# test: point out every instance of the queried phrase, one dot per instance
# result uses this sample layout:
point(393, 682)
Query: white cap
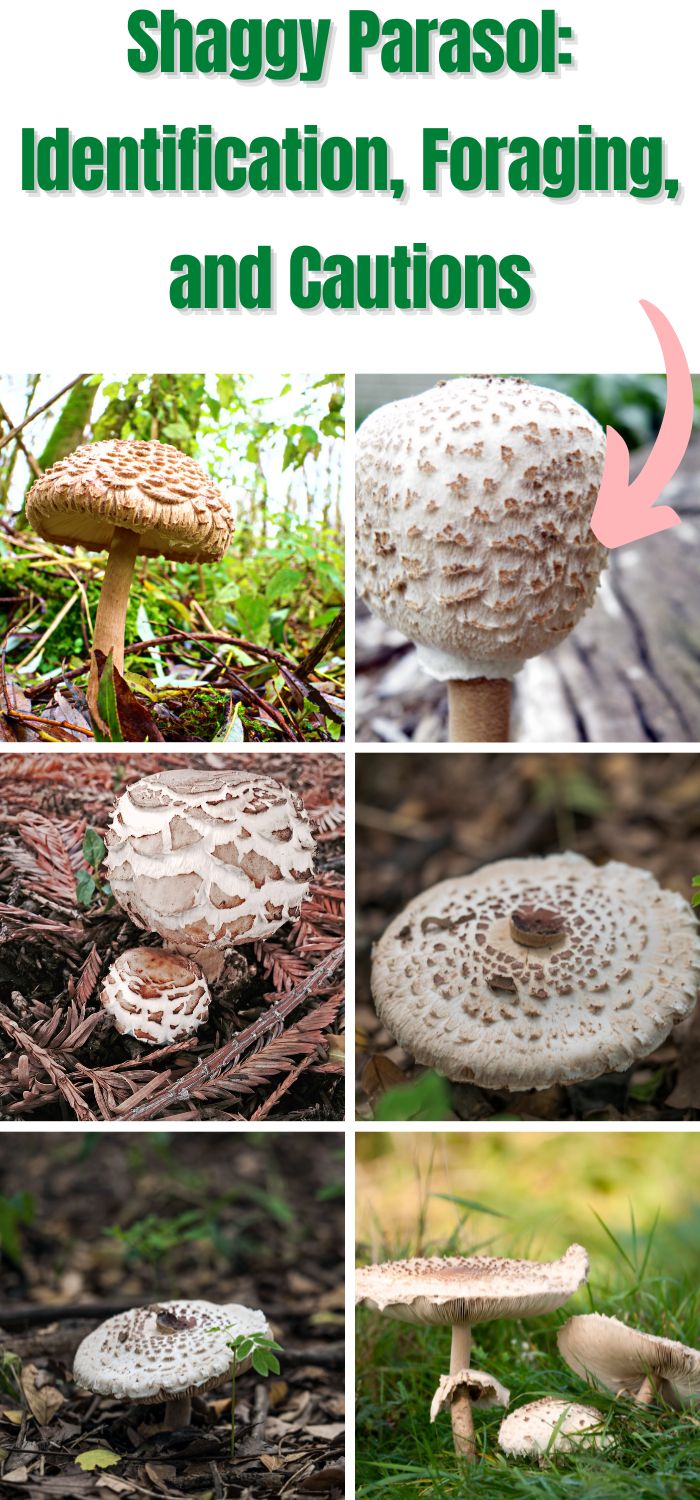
point(536, 971)
point(167, 1350)
point(470, 1290)
point(209, 858)
point(474, 502)
point(623, 1359)
point(155, 996)
point(531, 1429)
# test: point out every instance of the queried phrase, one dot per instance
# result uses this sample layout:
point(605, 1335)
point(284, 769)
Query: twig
point(38, 410)
point(224, 1058)
point(58, 1077)
point(317, 652)
point(36, 471)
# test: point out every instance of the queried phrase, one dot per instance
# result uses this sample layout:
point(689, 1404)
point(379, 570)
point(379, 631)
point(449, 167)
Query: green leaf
point(479, 1208)
point(85, 887)
point(282, 584)
point(97, 1458)
point(252, 612)
point(233, 731)
point(259, 1362)
point(94, 848)
point(427, 1099)
point(107, 704)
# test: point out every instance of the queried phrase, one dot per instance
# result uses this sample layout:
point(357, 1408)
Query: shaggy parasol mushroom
point(474, 502)
point(463, 1292)
point(209, 859)
point(128, 497)
point(155, 996)
point(537, 971)
point(551, 1426)
point(169, 1352)
point(629, 1362)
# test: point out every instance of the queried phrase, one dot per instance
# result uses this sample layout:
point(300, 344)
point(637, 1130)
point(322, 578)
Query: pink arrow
point(626, 512)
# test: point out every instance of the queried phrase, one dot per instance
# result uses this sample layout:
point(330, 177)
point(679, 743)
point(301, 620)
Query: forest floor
point(422, 818)
point(99, 1223)
point(273, 1045)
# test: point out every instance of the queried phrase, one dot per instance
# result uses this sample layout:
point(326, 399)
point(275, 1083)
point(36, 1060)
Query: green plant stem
point(233, 1407)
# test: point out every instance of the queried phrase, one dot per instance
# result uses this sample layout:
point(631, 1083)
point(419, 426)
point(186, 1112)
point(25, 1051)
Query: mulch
point(273, 1045)
point(271, 1236)
point(424, 817)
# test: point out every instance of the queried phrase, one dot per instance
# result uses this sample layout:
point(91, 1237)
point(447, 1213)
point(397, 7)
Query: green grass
point(656, 1453)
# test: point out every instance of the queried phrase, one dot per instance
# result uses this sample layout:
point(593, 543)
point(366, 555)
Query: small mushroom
point(155, 996)
point(166, 1352)
point(463, 1292)
point(551, 1426)
point(474, 502)
point(209, 859)
point(128, 498)
point(533, 972)
point(629, 1362)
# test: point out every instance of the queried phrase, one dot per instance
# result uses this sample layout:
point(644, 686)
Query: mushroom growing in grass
point(537, 971)
point(155, 996)
point(209, 859)
point(551, 1426)
point(128, 498)
point(462, 1293)
point(629, 1362)
point(474, 502)
point(168, 1352)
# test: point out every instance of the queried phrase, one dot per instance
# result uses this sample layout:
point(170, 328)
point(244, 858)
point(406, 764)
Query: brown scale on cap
point(619, 965)
point(209, 859)
point(154, 996)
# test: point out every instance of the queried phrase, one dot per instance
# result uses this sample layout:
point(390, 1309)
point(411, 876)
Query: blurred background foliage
point(438, 1194)
point(633, 404)
point(273, 445)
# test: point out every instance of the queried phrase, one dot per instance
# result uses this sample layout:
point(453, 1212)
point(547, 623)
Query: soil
point(93, 1224)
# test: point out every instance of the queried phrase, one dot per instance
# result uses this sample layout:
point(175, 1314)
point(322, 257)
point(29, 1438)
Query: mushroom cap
point(470, 1290)
point(166, 1350)
point(474, 502)
point(529, 1429)
point(155, 996)
point(482, 1389)
point(209, 858)
point(147, 487)
point(621, 1358)
point(463, 995)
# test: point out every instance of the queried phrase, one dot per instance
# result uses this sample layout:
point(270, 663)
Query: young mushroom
point(155, 996)
point(462, 1293)
point(168, 1352)
point(551, 1426)
point(629, 1362)
point(128, 498)
point(209, 859)
point(537, 971)
point(474, 503)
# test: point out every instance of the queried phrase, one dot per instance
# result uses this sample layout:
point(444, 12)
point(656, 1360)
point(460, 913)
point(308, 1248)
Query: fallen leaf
point(16, 1476)
point(327, 1430)
point(325, 1479)
point(97, 1458)
point(380, 1074)
point(271, 1462)
point(43, 1400)
point(16, 1417)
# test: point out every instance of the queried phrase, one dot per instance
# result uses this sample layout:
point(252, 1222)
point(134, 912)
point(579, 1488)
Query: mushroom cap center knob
point(537, 926)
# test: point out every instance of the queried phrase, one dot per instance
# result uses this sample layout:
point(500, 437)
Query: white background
point(85, 278)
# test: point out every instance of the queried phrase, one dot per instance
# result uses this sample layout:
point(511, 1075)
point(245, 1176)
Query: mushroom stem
point(646, 1393)
point(177, 1413)
point(461, 1407)
point(110, 619)
point(479, 710)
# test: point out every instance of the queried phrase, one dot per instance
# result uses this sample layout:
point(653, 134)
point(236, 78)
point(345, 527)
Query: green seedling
point(261, 1351)
point(88, 882)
